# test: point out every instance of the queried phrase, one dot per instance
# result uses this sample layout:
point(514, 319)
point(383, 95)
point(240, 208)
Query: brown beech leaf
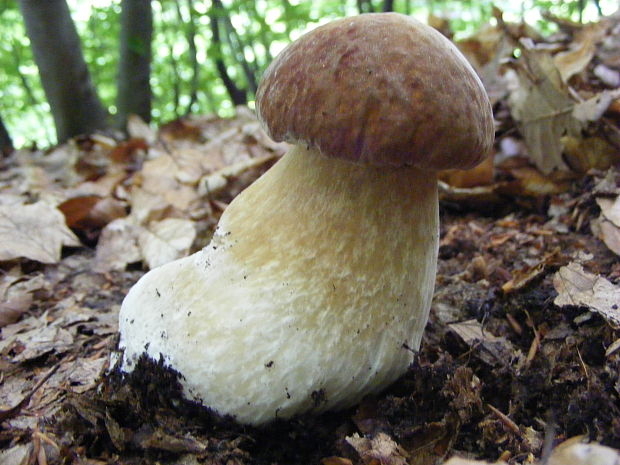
point(491, 349)
point(524, 276)
point(610, 209)
point(13, 308)
point(581, 51)
point(217, 181)
point(78, 208)
point(166, 240)
point(36, 231)
point(575, 286)
point(584, 154)
point(593, 108)
point(607, 226)
point(531, 182)
point(481, 175)
point(542, 108)
point(138, 129)
point(91, 211)
point(608, 232)
point(118, 245)
point(381, 449)
point(39, 341)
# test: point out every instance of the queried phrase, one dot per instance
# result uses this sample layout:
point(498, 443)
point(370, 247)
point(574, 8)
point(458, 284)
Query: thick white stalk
point(313, 292)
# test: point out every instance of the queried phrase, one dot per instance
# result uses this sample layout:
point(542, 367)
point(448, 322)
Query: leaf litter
point(520, 362)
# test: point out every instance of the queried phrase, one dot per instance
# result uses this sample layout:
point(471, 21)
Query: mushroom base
point(314, 291)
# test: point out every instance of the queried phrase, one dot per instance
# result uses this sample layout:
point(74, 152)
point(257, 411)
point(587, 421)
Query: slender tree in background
point(134, 89)
point(192, 50)
point(237, 95)
point(236, 46)
point(58, 54)
point(6, 144)
point(388, 5)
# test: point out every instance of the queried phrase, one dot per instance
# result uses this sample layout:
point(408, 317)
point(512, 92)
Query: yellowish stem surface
point(312, 293)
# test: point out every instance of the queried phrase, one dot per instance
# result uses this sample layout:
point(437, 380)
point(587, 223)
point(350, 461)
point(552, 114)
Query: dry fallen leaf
point(91, 211)
point(581, 51)
point(584, 154)
point(481, 175)
point(118, 245)
point(32, 344)
point(138, 129)
point(17, 455)
point(607, 226)
point(593, 108)
point(575, 286)
point(37, 231)
point(524, 276)
point(166, 240)
point(491, 349)
point(13, 308)
point(82, 374)
point(610, 209)
point(380, 450)
point(608, 232)
point(542, 108)
point(217, 181)
point(529, 181)
point(486, 50)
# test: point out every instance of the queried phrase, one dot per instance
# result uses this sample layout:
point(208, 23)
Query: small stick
point(505, 420)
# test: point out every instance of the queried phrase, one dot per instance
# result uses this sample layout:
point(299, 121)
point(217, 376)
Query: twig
point(511, 425)
point(535, 342)
point(584, 366)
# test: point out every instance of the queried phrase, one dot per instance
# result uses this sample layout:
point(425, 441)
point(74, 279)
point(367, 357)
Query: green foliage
point(22, 100)
point(184, 76)
point(99, 29)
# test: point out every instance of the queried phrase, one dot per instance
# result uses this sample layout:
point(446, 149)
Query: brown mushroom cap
point(382, 89)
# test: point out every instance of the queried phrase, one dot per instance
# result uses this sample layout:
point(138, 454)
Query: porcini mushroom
point(317, 284)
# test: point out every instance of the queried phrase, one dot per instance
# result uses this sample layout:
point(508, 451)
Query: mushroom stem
point(315, 288)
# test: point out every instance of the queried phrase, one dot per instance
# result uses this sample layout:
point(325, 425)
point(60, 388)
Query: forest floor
point(501, 367)
point(520, 359)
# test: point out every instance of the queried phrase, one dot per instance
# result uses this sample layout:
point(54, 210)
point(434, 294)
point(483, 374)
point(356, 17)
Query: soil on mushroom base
point(484, 398)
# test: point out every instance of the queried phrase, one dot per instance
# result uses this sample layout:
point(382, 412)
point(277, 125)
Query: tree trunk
point(237, 48)
point(6, 144)
point(192, 51)
point(238, 96)
point(169, 35)
point(134, 89)
point(58, 54)
point(388, 5)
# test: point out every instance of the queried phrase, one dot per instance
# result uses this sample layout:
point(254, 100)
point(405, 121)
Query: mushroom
point(316, 287)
